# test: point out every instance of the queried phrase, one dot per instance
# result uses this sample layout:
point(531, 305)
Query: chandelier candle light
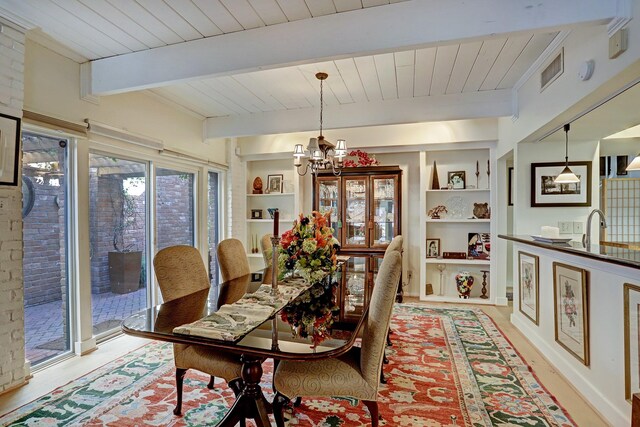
point(320, 153)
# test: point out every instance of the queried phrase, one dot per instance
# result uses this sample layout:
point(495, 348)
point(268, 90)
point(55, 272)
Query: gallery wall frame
point(571, 309)
point(545, 193)
point(9, 149)
point(631, 340)
point(529, 286)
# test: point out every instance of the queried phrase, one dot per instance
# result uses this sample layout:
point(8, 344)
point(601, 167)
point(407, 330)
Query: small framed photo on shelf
point(571, 310)
point(256, 213)
point(528, 285)
point(456, 180)
point(478, 246)
point(546, 193)
point(631, 340)
point(433, 248)
point(274, 183)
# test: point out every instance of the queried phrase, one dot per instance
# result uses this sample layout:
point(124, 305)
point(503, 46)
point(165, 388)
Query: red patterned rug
point(448, 366)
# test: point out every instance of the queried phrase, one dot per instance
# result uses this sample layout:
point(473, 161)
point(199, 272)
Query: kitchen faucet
point(586, 238)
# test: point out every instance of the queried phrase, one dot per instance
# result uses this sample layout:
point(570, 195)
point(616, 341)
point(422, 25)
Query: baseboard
point(502, 301)
point(24, 382)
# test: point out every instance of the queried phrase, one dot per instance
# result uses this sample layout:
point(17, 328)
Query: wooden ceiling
point(443, 72)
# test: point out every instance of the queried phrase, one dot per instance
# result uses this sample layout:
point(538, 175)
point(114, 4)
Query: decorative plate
point(457, 207)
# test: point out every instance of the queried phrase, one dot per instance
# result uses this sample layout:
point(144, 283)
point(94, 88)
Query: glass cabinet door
point(356, 231)
point(354, 294)
point(328, 197)
point(383, 210)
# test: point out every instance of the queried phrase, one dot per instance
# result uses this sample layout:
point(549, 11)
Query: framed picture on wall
point(571, 310)
point(433, 248)
point(546, 193)
point(631, 340)
point(528, 285)
point(9, 149)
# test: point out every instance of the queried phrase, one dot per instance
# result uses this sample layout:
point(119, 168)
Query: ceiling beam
point(413, 110)
point(405, 25)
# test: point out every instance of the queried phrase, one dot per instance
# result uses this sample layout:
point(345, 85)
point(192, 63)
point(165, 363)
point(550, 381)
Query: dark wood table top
point(273, 338)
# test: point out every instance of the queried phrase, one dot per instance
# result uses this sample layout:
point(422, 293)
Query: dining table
point(272, 338)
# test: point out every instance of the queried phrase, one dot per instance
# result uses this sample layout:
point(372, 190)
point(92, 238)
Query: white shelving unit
point(454, 227)
point(287, 203)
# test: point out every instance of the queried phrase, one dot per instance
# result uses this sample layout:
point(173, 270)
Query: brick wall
point(236, 193)
point(12, 362)
point(174, 210)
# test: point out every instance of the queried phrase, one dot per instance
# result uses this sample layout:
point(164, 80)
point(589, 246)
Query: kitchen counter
point(606, 252)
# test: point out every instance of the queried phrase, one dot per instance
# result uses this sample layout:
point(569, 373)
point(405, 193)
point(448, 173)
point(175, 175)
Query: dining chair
point(267, 249)
point(232, 259)
point(395, 245)
point(354, 374)
point(180, 271)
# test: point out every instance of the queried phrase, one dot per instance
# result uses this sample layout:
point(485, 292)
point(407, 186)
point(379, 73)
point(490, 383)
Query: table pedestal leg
point(250, 403)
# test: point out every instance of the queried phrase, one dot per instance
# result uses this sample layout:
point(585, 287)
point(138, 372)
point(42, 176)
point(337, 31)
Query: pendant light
point(635, 164)
point(566, 176)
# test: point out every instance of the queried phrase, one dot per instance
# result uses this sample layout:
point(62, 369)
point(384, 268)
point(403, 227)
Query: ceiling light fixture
point(635, 164)
point(320, 153)
point(566, 176)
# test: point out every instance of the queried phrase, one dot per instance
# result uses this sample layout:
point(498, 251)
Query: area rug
point(448, 366)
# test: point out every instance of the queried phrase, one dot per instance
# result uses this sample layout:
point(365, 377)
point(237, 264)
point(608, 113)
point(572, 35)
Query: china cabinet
point(365, 215)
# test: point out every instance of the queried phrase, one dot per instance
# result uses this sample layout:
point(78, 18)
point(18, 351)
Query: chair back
point(232, 259)
point(267, 249)
point(376, 325)
point(180, 271)
point(395, 245)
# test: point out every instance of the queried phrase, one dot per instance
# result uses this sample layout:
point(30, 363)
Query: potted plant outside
point(125, 261)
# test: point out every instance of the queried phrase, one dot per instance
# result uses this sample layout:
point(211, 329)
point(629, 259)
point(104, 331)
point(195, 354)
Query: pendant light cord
point(567, 127)
point(321, 106)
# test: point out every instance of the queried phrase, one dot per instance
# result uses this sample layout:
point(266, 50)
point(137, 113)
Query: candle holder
point(484, 284)
point(275, 242)
point(441, 268)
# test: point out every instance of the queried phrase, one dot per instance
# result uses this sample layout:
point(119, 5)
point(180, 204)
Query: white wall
point(12, 366)
point(52, 87)
point(602, 382)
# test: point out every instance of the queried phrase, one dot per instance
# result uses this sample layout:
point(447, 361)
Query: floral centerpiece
point(363, 159)
point(309, 248)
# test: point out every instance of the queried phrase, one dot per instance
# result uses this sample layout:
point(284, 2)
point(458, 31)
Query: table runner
point(233, 321)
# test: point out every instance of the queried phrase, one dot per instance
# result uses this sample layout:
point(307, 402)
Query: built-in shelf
point(270, 195)
point(465, 261)
point(455, 299)
point(270, 221)
point(459, 191)
point(457, 220)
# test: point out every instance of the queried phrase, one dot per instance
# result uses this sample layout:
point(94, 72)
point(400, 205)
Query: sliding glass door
point(174, 208)
point(44, 214)
point(118, 239)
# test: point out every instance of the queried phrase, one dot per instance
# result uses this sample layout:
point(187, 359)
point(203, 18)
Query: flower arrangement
point(311, 313)
point(434, 213)
point(309, 248)
point(363, 160)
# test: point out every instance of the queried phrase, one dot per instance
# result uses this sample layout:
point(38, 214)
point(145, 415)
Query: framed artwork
point(457, 180)
point(510, 194)
point(274, 183)
point(571, 310)
point(544, 192)
point(478, 246)
point(9, 149)
point(631, 340)
point(528, 285)
point(433, 248)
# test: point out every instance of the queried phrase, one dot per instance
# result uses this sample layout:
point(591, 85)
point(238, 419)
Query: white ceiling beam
point(404, 25)
point(423, 109)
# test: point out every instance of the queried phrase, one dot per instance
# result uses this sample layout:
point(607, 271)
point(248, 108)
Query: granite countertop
point(604, 252)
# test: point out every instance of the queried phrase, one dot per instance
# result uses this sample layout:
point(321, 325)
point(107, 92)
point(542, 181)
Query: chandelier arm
point(306, 168)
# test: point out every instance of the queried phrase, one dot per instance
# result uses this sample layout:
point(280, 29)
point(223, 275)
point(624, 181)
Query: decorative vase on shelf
point(464, 283)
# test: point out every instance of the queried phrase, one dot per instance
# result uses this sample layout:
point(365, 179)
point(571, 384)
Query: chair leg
point(212, 380)
point(276, 362)
point(372, 406)
point(279, 402)
point(297, 402)
point(179, 380)
point(389, 343)
point(385, 360)
point(383, 380)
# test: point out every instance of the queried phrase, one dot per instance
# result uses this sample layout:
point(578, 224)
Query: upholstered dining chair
point(355, 374)
point(181, 271)
point(232, 259)
point(267, 249)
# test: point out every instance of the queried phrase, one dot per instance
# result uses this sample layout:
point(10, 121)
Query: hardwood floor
point(45, 381)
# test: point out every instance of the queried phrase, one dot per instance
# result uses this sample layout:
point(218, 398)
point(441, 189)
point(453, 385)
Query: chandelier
point(320, 154)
